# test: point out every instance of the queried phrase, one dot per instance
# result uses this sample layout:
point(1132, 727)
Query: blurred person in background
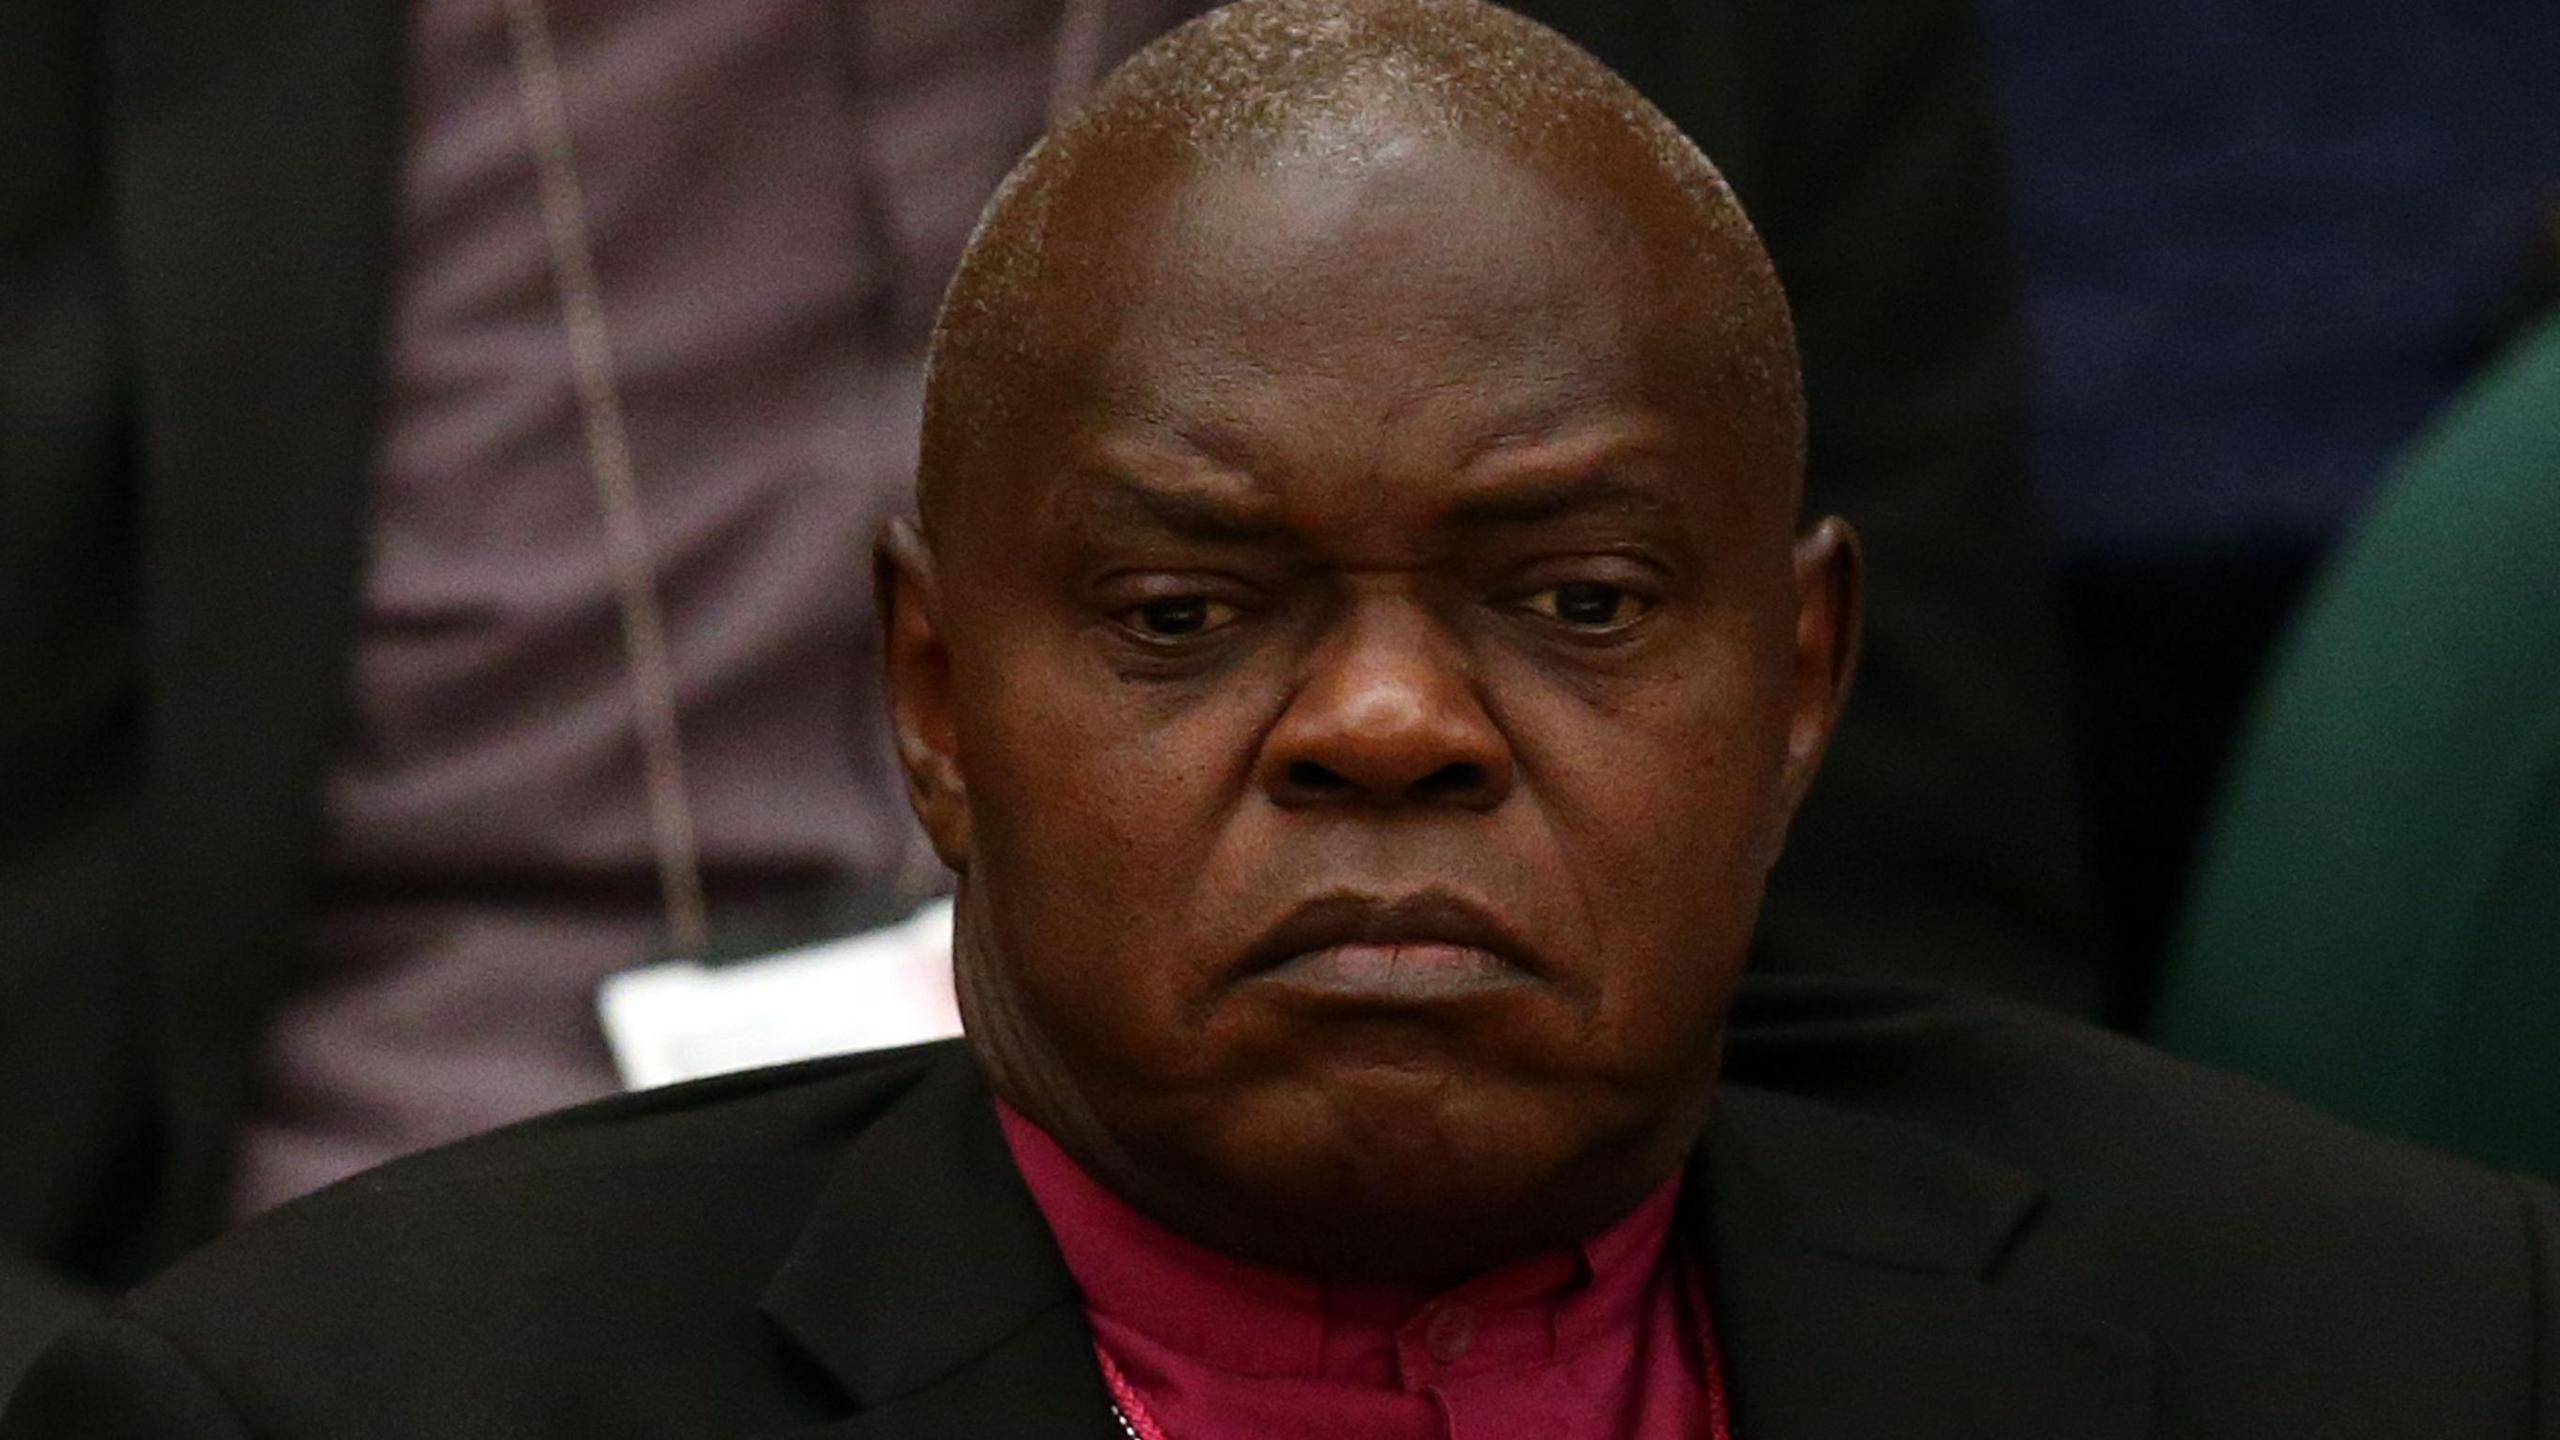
point(349, 346)
point(2262, 244)
point(2376, 917)
point(432, 439)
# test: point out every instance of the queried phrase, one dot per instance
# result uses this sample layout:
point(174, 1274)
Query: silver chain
point(648, 663)
point(644, 628)
point(1077, 56)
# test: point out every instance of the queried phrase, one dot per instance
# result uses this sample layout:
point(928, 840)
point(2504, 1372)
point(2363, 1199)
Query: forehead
point(1428, 260)
point(1376, 309)
point(1370, 309)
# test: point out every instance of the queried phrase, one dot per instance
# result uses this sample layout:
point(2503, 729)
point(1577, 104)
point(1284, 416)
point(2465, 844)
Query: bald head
point(1319, 89)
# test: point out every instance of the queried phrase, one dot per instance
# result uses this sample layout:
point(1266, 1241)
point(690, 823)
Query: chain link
point(650, 668)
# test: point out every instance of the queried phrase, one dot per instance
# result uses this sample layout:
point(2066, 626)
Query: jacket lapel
point(1847, 1260)
point(927, 1285)
point(254, 152)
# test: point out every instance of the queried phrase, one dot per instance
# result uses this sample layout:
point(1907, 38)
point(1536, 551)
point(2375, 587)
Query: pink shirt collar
point(1194, 1307)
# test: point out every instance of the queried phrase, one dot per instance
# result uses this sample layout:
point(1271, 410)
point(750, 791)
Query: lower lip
point(1413, 973)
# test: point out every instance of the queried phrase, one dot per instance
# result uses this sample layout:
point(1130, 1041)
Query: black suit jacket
point(197, 205)
point(1918, 1219)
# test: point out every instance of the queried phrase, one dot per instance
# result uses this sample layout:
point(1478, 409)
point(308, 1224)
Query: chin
point(1403, 1175)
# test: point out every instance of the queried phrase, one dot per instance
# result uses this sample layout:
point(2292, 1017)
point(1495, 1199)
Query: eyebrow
point(1547, 498)
point(1116, 501)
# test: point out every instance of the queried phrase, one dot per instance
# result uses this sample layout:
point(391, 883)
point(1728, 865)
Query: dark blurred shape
point(2377, 920)
point(2264, 242)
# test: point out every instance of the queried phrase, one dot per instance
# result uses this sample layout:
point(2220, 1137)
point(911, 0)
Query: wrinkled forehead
point(1447, 254)
point(1363, 225)
point(1390, 295)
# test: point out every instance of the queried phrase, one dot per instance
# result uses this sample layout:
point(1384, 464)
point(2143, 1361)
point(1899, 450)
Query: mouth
point(1413, 949)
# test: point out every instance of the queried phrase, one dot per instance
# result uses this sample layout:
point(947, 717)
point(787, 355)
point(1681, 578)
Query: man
point(1359, 655)
point(321, 809)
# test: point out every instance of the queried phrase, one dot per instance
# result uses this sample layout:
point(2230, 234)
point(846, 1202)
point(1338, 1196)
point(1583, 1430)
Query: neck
point(1341, 1258)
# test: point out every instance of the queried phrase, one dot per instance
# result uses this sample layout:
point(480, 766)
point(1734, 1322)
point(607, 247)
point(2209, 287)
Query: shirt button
point(1451, 1331)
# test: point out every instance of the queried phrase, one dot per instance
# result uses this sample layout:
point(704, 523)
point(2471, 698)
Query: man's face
point(1366, 714)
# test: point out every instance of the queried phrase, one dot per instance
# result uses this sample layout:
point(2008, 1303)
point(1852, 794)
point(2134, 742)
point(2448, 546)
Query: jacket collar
point(1849, 1260)
point(927, 1285)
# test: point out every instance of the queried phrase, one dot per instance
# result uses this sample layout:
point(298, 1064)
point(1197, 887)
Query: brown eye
point(1178, 616)
point(1588, 605)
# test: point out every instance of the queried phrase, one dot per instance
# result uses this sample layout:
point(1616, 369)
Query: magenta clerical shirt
point(1607, 1341)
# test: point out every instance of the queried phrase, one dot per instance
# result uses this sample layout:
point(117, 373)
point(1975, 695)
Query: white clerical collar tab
point(683, 1020)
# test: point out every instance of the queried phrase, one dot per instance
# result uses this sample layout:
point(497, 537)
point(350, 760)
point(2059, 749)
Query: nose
point(1387, 715)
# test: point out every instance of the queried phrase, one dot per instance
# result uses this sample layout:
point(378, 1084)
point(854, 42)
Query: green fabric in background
point(2376, 925)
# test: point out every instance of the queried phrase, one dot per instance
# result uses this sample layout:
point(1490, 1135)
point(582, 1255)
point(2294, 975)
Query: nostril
point(1457, 778)
point(1464, 783)
point(1308, 777)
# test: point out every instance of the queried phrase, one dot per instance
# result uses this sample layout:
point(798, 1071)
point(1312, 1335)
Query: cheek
point(1094, 805)
point(1071, 768)
point(1656, 797)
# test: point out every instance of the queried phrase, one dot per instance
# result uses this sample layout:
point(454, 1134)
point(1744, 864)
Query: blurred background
point(439, 441)
point(2261, 247)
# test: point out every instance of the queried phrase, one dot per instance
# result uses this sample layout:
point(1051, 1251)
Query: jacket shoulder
point(573, 1257)
point(779, 1114)
point(2083, 1109)
point(2273, 1255)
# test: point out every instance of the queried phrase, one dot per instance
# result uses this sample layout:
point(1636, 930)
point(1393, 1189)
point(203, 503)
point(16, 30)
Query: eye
point(1177, 617)
point(1588, 605)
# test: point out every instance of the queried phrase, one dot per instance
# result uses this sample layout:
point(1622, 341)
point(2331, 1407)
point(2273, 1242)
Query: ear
point(1828, 569)
point(916, 663)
